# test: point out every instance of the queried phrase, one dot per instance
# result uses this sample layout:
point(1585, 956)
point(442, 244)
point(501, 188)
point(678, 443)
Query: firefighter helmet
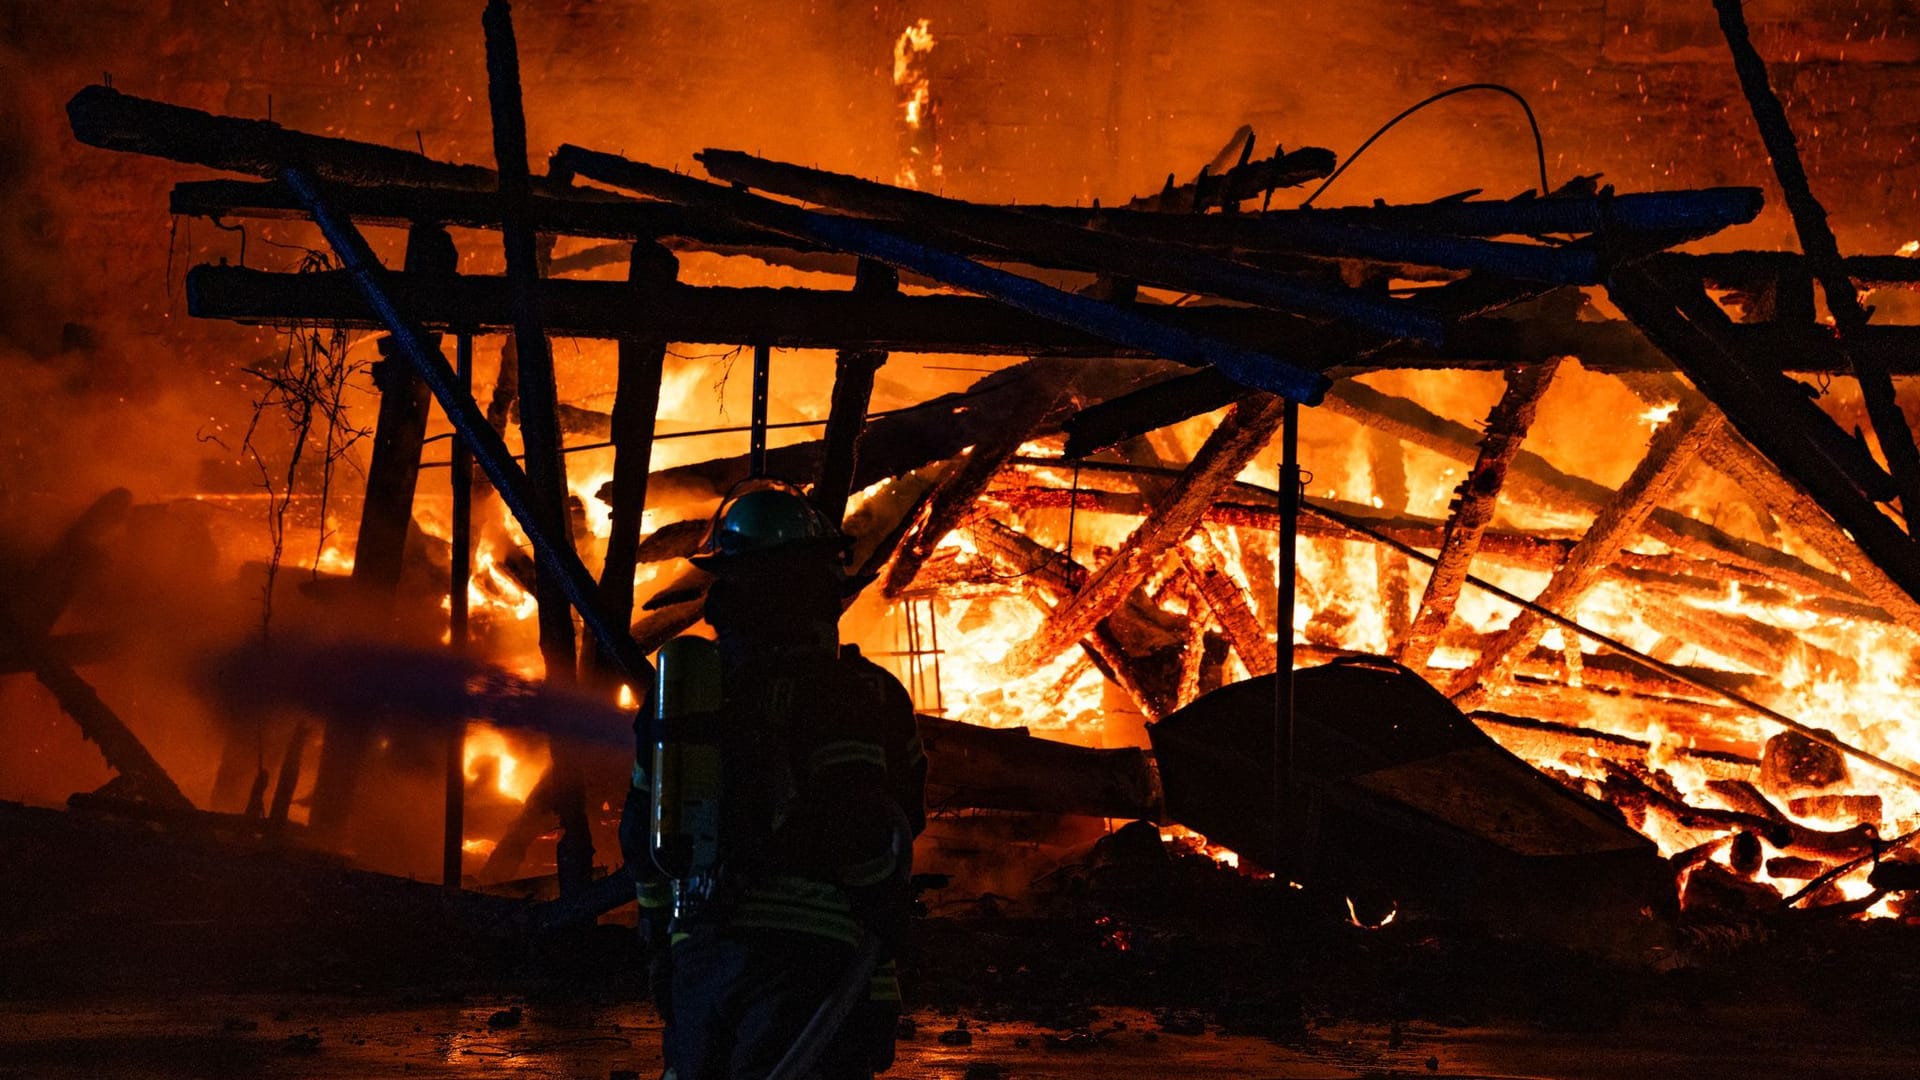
point(773, 517)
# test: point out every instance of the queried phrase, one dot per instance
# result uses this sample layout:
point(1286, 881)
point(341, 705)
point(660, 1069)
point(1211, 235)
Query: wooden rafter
point(1473, 506)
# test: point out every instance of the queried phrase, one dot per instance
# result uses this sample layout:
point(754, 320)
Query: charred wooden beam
point(812, 319)
point(539, 426)
point(1708, 209)
point(28, 613)
point(853, 376)
point(1107, 321)
point(1674, 447)
point(1225, 453)
point(584, 212)
point(1386, 459)
point(462, 195)
point(385, 516)
point(1538, 740)
point(1206, 568)
point(1747, 270)
point(104, 117)
point(1038, 240)
point(1823, 256)
point(1240, 181)
point(1473, 506)
point(398, 435)
point(636, 404)
point(1049, 579)
point(1193, 650)
point(940, 428)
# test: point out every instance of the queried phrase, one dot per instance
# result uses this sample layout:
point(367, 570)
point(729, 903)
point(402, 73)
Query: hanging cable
point(1539, 144)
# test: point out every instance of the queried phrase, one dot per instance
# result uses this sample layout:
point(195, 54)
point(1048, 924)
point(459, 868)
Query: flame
point(627, 698)
point(1186, 839)
point(492, 589)
point(910, 53)
point(517, 772)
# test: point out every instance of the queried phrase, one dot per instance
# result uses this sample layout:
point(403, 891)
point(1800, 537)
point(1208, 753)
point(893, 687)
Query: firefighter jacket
point(824, 779)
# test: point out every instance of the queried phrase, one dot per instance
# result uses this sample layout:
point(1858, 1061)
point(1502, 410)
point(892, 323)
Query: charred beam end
point(1109, 322)
point(104, 117)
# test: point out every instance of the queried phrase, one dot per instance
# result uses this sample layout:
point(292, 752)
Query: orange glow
point(517, 772)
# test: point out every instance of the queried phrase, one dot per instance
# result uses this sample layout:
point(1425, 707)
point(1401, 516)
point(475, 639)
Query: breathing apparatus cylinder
point(686, 765)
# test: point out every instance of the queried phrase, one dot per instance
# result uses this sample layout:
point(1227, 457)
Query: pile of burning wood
point(1735, 693)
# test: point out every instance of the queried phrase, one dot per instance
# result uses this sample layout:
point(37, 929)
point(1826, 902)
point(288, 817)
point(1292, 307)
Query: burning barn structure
point(1582, 517)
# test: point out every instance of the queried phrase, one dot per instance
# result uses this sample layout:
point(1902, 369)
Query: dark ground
point(132, 954)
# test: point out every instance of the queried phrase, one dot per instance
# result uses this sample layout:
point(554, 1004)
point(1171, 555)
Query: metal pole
point(757, 449)
point(462, 482)
point(1283, 767)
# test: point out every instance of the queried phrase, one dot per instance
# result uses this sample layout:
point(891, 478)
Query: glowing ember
point(1393, 911)
point(1185, 839)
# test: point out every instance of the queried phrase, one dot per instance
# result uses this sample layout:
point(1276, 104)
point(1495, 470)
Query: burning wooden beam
point(1234, 443)
point(960, 492)
point(1386, 460)
point(1546, 485)
point(398, 436)
point(1736, 459)
point(1206, 568)
point(1674, 447)
point(1049, 580)
point(1473, 506)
